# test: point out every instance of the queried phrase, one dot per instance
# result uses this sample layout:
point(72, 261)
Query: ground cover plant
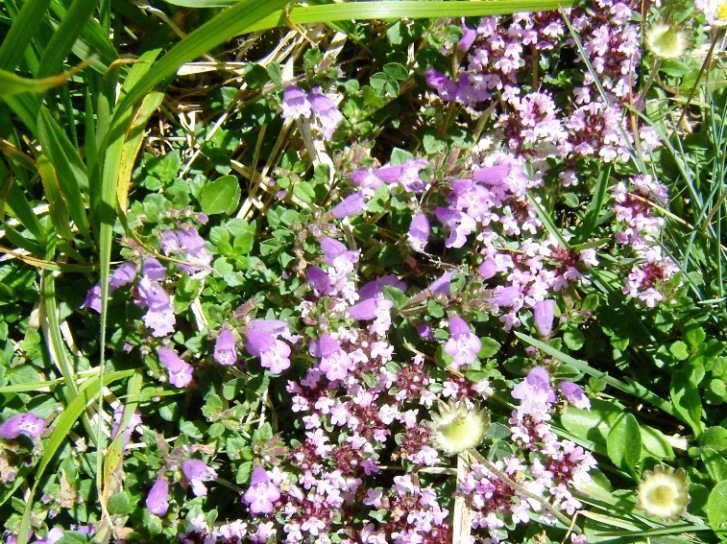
point(363, 272)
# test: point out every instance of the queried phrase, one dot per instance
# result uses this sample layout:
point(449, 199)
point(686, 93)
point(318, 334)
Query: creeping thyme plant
point(456, 276)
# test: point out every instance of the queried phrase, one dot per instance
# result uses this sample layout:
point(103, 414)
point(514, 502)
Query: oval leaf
point(220, 196)
point(624, 442)
point(717, 508)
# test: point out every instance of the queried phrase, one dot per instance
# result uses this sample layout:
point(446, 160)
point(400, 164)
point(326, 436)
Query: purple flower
point(160, 315)
point(295, 103)
point(446, 88)
point(418, 234)
point(93, 298)
point(116, 427)
point(180, 372)
point(153, 269)
point(442, 285)
point(196, 252)
point(334, 361)
point(574, 394)
point(262, 493)
point(123, 275)
point(352, 205)
point(225, 353)
point(535, 389)
point(406, 175)
point(170, 242)
point(462, 345)
point(488, 268)
point(157, 501)
point(543, 313)
point(505, 296)
point(196, 472)
point(326, 112)
point(460, 226)
point(377, 286)
point(27, 424)
point(467, 39)
point(261, 341)
point(320, 281)
point(492, 175)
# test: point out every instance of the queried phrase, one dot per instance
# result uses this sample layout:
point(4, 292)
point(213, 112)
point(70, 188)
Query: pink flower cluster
point(502, 55)
point(640, 231)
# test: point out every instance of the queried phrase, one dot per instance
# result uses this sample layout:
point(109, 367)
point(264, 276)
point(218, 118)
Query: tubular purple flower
point(334, 361)
point(180, 372)
point(225, 352)
point(196, 472)
point(352, 205)
point(488, 268)
point(418, 234)
point(170, 242)
point(190, 240)
point(543, 314)
point(261, 341)
point(157, 501)
point(262, 493)
point(460, 226)
point(123, 275)
point(116, 426)
point(377, 286)
point(574, 394)
point(446, 88)
point(326, 112)
point(27, 424)
point(505, 296)
point(320, 281)
point(364, 310)
point(467, 39)
point(93, 298)
point(492, 175)
point(442, 285)
point(462, 345)
point(295, 103)
point(153, 269)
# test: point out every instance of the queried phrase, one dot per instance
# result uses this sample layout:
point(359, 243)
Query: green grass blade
point(65, 36)
point(386, 9)
point(11, 84)
point(72, 174)
point(20, 208)
point(57, 207)
point(593, 212)
point(21, 32)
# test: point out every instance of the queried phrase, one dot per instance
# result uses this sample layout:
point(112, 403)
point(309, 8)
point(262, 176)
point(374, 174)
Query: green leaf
point(396, 71)
point(679, 350)
point(624, 442)
point(714, 437)
point(490, 347)
point(717, 508)
point(118, 504)
point(574, 339)
point(715, 463)
point(686, 398)
point(220, 196)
